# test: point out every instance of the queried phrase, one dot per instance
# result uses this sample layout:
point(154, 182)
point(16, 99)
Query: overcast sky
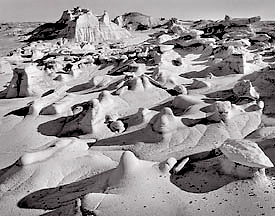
point(51, 10)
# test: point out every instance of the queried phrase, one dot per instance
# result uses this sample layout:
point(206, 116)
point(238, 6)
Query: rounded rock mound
point(245, 152)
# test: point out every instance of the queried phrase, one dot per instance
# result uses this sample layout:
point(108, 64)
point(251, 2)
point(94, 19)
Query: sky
point(51, 10)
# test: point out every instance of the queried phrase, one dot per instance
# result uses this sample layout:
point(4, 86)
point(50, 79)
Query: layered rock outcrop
point(138, 21)
point(236, 27)
point(80, 25)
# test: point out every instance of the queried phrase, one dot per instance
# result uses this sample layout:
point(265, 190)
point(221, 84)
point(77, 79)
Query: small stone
point(180, 89)
point(117, 126)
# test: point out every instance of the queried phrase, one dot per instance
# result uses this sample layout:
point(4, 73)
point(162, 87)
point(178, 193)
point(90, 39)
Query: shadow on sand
point(52, 198)
point(201, 176)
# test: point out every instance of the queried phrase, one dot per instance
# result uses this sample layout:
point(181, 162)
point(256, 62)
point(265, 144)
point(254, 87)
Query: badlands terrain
point(137, 116)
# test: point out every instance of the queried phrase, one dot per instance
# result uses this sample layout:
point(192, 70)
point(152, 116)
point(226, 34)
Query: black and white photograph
point(137, 108)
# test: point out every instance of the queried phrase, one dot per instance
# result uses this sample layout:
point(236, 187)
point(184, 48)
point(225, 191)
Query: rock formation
point(138, 21)
point(236, 27)
point(236, 63)
point(246, 152)
point(244, 88)
point(174, 120)
point(26, 82)
point(80, 25)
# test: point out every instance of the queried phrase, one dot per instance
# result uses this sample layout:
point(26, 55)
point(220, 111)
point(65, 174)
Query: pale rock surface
point(164, 38)
point(68, 160)
point(5, 67)
point(245, 152)
point(189, 133)
point(140, 174)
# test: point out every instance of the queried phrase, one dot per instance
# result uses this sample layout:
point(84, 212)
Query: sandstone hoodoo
point(26, 82)
point(81, 25)
point(247, 153)
point(247, 157)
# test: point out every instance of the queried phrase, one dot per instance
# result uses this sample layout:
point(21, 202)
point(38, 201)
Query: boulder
point(245, 152)
point(164, 38)
point(265, 83)
point(244, 88)
point(236, 62)
point(25, 82)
